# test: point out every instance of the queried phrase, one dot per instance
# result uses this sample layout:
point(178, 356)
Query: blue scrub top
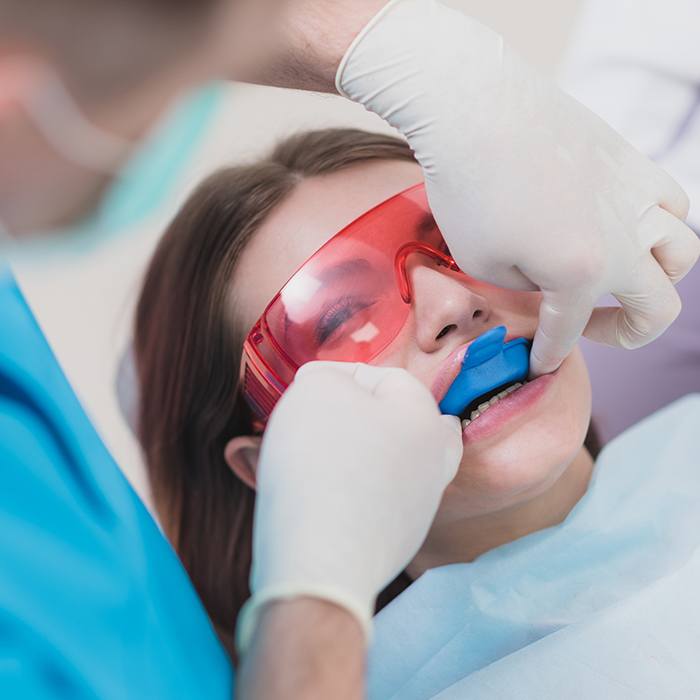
point(93, 601)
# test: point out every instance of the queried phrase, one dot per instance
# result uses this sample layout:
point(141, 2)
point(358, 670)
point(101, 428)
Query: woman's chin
point(514, 471)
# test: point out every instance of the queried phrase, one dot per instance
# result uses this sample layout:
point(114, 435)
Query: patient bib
point(612, 588)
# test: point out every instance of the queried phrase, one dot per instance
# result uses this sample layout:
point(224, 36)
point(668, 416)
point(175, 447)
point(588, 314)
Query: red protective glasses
point(346, 303)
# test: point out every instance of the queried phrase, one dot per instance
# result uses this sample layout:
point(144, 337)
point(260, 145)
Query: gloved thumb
point(452, 436)
point(563, 316)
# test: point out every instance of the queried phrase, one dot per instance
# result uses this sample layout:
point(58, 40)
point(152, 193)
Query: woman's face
point(511, 453)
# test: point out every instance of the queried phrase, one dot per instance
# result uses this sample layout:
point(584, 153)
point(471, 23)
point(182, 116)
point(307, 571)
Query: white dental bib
point(604, 605)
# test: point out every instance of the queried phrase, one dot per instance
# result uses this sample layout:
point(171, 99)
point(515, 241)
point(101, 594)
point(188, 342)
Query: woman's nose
point(445, 308)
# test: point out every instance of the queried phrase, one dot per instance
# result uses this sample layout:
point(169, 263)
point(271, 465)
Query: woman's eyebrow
point(344, 269)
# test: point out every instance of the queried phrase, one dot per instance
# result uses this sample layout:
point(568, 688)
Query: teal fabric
point(93, 601)
point(144, 183)
point(566, 601)
point(149, 176)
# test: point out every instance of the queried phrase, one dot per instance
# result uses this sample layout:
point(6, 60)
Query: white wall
point(84, 303)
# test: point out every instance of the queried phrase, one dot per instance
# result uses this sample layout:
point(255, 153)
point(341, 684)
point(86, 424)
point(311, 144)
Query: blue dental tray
point(488, 364)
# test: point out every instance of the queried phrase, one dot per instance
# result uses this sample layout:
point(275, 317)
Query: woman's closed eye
point(336, 315)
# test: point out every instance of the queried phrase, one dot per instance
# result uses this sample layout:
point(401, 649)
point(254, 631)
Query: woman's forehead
point(314, 212)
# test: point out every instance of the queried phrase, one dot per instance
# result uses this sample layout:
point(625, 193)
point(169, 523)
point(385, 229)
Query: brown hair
point(188, 354)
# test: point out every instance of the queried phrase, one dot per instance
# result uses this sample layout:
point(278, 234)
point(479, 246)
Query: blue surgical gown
point(93, 601)
point(604, 605)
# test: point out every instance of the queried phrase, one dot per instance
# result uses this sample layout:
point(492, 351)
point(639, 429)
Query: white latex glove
point(352, 469)
point(530, 189)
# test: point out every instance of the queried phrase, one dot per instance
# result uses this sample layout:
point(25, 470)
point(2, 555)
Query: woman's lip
point(450, 367)
point(508, 409)
point(448, 371)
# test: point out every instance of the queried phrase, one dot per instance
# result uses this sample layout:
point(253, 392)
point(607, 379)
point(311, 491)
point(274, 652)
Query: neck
point(465, 540)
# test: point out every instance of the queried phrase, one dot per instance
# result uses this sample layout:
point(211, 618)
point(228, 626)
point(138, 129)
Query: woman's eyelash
point(338, 313)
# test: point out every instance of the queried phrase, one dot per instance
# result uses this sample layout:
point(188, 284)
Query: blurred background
point(90, 332)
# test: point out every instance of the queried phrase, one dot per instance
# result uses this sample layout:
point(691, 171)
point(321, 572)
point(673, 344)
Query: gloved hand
point(352, 469)
point(530, 189)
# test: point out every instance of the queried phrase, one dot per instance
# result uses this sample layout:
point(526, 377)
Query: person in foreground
point(524, 464)
point(79, 88)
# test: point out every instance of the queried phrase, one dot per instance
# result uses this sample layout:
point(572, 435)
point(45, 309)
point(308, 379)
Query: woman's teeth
point(483, 407)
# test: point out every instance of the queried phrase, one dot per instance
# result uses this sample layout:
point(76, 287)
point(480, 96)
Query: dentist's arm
point(297, 43)
point(531, 189)
point(352, 469)
point(306, 648)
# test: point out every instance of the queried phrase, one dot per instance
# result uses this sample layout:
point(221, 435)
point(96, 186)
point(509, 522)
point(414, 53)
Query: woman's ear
point(241, 454)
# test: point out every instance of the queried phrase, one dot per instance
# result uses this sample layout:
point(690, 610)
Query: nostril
point(445, 331)
point(477, 314)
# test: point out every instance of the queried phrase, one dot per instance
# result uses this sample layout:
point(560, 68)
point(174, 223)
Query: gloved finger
point(670, 195)
point(381, 381)
point(394, 383)
point(506, 276)
point(563, 316)
point(649, 306)
point(512, 277)
point(398, 385)
point(673, 243)
point(369, 377)
point(454, 447)
point(325, 366)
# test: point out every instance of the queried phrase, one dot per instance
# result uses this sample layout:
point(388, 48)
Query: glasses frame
point(266, 367)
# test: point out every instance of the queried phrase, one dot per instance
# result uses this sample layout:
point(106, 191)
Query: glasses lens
point(344, 304)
